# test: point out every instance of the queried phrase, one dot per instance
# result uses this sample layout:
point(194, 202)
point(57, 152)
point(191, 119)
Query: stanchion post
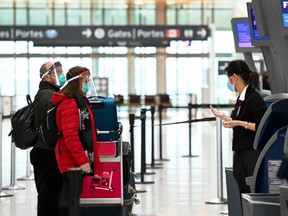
point(152, 136)
point(219, 199)
point(190, 128)
point(143, 143)
point(131, 122)
point(153, 164)
point(13, 185)
point(160, 109)
point(143, 147)
point(2, 194)
point(190, 131)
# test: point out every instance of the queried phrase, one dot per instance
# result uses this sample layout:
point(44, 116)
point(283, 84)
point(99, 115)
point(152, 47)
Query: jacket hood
point(57, 98)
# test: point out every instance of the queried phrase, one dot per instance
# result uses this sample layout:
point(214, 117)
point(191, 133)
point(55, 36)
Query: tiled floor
point(181, 187)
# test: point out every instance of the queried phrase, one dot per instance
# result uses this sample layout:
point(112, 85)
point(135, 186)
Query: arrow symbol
point(202, 32)
point(87, 32)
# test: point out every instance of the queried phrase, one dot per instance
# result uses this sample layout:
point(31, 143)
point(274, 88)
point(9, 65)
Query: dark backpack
point(48, 128)
point(23, 133)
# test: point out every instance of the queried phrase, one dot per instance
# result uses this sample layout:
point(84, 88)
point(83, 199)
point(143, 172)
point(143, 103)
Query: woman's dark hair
point(73, 88)
point(241, 69)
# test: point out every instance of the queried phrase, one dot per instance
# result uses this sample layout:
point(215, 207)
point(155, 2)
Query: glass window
point(7, 83)
point(21, 47)
point(224, 42)
point(21, 16)
point(189, 16)
point(78, 16)
point(223, 19)
point(148, 17)
point(97, 17)
point(115, 17)
point(115, 69)
point(6, 16)
point(60, 16)
point(40, 16)
point(184, 76)
point(145, 75)
point(7, 47)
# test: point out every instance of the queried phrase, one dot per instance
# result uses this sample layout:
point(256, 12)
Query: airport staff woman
point(244, 120)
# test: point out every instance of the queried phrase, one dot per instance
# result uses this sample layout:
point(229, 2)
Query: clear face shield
point(56, 73)
point(88, 87)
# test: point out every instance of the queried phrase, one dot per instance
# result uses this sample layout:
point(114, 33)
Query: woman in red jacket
point(76, 149)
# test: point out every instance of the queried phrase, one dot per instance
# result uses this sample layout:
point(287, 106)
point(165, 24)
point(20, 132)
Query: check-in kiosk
point(269, 139)
point(269, 16)
point(267, 49)
point(275, 97)
point(283, 174)
point(242, 40)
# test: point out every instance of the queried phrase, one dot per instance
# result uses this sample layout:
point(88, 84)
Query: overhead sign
point(104, 35)
point(221, 67)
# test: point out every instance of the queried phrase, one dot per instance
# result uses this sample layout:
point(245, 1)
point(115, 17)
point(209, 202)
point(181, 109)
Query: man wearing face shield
point(47, 176)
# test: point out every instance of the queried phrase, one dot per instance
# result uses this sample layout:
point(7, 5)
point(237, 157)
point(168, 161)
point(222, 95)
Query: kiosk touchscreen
point(242, 39)
point(260, 19)
point(256, 39)
point(242, 35)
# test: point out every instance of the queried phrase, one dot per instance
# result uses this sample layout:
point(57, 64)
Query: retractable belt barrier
point(143, 126)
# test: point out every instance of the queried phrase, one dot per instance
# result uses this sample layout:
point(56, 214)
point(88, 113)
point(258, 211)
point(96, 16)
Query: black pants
point(70, 193)
point(243, 166)
point(48, 180)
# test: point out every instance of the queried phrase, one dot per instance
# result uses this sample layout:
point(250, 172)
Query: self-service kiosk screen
point(256, 39)
point(242, 36)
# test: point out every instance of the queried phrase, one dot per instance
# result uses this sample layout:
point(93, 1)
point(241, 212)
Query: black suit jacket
point(251, 110)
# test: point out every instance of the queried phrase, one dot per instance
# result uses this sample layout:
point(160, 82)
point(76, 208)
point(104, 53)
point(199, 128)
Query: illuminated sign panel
point(104, 35)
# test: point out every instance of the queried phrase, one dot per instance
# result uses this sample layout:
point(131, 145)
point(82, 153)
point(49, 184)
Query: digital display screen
point(284, 6)
point(243, 35)
point(254, 27)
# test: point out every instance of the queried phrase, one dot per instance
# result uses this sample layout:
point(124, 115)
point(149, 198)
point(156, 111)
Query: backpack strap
point(85, 128)
point(28, 99)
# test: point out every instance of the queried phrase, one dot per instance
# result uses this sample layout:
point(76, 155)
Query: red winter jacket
point(69, 150)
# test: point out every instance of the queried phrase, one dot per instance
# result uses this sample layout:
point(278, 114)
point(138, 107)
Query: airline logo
point(285, 4)
point(172, 33)
point(285, 13)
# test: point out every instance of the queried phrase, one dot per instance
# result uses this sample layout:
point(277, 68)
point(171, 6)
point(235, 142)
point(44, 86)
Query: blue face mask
point(61, 79)
point(85, 88)
point(230, 86)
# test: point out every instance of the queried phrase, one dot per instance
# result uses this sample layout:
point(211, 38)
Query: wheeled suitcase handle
point(95, 103)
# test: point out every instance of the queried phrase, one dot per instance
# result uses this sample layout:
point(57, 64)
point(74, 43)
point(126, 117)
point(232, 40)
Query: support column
point(161, 53)
point(161, 70)
point(131, 72)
